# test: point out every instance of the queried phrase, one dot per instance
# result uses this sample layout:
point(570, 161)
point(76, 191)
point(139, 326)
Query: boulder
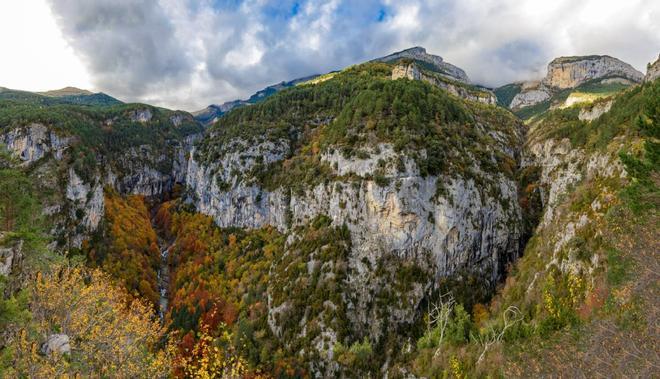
point(56, 343)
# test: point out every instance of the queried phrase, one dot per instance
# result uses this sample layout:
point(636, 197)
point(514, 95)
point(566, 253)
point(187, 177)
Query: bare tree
point(439, 316)
point(511, 316)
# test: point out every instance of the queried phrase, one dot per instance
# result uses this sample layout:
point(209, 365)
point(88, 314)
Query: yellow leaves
point(110, 331)
point(208, 360)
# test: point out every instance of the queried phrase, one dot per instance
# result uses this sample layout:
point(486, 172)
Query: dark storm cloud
point(193, 52)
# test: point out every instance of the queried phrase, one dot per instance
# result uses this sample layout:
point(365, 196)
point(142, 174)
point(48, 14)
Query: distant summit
point(66, 95)
point(428, 61)
point(67, 91)
point(570, 72)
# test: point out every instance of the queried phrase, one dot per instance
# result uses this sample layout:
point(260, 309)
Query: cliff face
point(403, 222)
point(653, 71)
point(570, 72)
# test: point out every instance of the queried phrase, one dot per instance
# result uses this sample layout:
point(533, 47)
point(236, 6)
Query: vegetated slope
point(582, 301)
point(317, 231)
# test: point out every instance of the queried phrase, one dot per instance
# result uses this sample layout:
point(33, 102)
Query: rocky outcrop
point(139, 170)
point(531, 93)
point(11, 255)
point(56, 344)
point(570, 72)
point(653, 71)
point(411, 71)
point(592, 112)
point(33, 142)
point(439, 65)
point(141, 115)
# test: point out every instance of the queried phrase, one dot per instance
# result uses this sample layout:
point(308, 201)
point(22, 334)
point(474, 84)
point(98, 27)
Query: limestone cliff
point(570, 72)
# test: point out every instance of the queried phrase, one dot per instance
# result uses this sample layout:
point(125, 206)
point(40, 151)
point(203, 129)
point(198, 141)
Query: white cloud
point(189, 53)
point(35, 56)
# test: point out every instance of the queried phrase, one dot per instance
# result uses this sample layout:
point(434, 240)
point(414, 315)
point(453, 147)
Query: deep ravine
point(163, 277)
point(163, 274)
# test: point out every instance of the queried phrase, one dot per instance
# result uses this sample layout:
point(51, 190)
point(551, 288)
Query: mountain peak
point(66, 91)
point(429, 61)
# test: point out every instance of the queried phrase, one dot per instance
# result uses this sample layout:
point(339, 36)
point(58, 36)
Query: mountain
point(451, 77)
point(569, 80)
point(66, 91)
point(67, 95)
point(210, 114)
point(429, 62)
point(382, 220)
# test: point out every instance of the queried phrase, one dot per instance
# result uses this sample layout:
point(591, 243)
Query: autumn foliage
point(111, 333)
point(128, 250)
point(218, 285)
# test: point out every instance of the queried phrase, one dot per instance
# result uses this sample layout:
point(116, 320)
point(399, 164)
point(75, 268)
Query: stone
point(56, 343)
point(141, 115)
point(526, 98)
point(595, 110)
point(10, 256)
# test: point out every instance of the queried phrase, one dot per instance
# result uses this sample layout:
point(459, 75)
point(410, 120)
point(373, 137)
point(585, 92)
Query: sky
point(187, 54)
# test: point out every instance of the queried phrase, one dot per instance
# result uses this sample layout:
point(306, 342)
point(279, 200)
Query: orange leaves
point(232, 240)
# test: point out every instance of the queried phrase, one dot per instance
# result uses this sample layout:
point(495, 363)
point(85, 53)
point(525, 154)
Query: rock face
point(411, 71)
point(570, 72)
point(33, 142)
point(420, 54)
point(141, 115)
point(139, 170)
point(594, 111)
point(653, 71)
point(531, 93)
